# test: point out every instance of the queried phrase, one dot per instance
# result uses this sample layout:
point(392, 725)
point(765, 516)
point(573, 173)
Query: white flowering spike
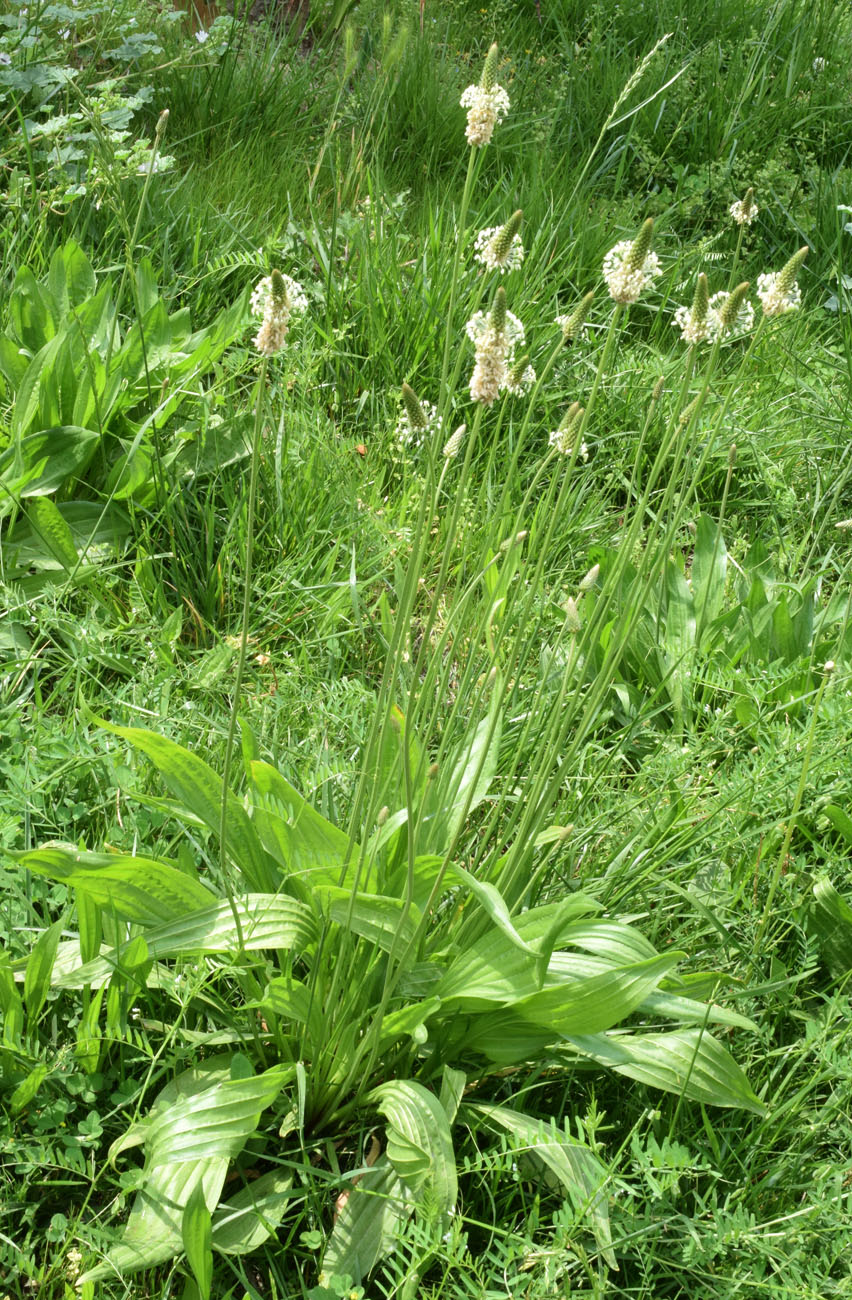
point(495, 337)
point(486, 104)
point(453, 445)
point(562, 439)
point(275, 299)
point(591, 578)
point(692, 321)
point(729, 313)
point(418, 420)
point(520, 378)
point(573, 324)
point(572, 616)
point(778, 291)
point(744, 211)
point(499, 248)
point(631, 266)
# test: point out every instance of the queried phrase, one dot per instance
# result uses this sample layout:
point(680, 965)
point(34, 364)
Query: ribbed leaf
point(43, 462)
point(292, 1000)
point(420, 1146)
point(578, 1169)
point(294, 833)
point(190, 1141)
point(688, 1061)
point(709, 570)
point(267, 921)
point(197, 1240)
point(384, 921)
point(195, 783)
point(135, 889)
point(70, 279)
point(453, 796)
point(497, 969)
point(39, 969)
point(246, 1221)
point(590, 1004)
point(53, 532)
point(367, 1226)
point(830, 921)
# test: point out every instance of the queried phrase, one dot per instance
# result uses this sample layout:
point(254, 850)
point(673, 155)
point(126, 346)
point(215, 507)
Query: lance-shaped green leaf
point(195, 784)
point(688, 1061)
point(143, 890)
point(453, 797)
point(292, 1000)
point(190, 1140)
point(420, 1146)
point(197, 1239)
point(294, 833)
point(368, 1224)
point(39, 969)
point(248, 1219)
point(50, 526)
point(578, 1169)
point(384, 921)
point(43, 462)
point(592, 1003)
point(502, 968)
point(70, 279)
point(266, 921)
point(709, 570)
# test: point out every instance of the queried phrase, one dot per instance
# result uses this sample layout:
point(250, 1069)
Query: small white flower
point(276, 309)
point(743, 211)
point(743, 323)
point(818, 66)
point(452, 447)
point(570, 330)
point(410, 436)
point(489, 375)
point(691, 330)
point(624, 282)
point(262, 295)
point(494, 352)
point(522, 383)
point(73, 1263)
point(479, 326)
point(201, 36)
point(486, 250)
point(485, 109)
point(774, 300)
point(559, 440)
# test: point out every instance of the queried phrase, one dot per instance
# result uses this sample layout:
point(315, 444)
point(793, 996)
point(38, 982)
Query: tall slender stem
point(244, 626)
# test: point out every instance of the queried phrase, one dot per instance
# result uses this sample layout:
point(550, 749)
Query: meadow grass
point(538, 719)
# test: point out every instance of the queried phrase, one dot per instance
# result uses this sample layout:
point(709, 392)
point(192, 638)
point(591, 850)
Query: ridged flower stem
point(732, 280)
point(509, 472)
point(238, 681)
point(241, 658)
point(443, 391)
point(603, 366)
